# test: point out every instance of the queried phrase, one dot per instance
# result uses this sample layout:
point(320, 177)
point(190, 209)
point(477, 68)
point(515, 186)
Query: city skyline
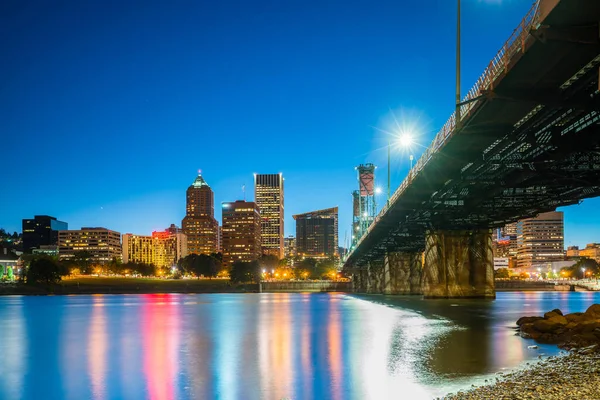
point(208, 103)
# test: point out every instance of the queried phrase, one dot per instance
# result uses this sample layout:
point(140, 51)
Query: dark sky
point(108, 108)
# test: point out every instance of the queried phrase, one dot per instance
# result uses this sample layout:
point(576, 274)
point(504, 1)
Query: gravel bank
point(572, 376)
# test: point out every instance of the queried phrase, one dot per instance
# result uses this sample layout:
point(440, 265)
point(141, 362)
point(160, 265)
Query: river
point(262, 346)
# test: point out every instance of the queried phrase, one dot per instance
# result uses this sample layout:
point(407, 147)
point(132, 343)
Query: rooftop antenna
point(244, 191)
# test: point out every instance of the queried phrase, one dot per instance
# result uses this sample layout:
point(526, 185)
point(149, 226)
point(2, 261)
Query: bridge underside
point(529, 143)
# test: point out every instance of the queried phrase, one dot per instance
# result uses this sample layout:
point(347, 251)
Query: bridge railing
point(498, 66)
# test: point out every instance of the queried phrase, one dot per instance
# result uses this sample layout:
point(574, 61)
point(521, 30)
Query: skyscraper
point(268, 195)
point(199, 224)
point(540, 239)
point(42, 230)
point(241, 232)
point(317, 233)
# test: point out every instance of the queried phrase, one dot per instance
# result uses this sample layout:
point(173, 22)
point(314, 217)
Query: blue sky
point(108, 108)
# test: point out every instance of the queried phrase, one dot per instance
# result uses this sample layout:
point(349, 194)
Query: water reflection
point(97, 348)
point(255, 346)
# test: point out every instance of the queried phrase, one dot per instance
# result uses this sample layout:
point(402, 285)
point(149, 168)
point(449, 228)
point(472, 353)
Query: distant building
point(199, 224)
point(317, 233)
point(8, 259)
point(169, 248)
point(220, 239)
point(540, 239)
point(572, 251)
point(102, 244)
point(289, 244)
point(268, 195)
point(501, 262)
point(47, 250)
point(241, 232)
point(592, 250)
point(137, 249)
point(41, 230)
point(163, 248)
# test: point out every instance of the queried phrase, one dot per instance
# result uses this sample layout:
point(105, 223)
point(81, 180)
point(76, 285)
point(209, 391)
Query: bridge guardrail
point(497, 66)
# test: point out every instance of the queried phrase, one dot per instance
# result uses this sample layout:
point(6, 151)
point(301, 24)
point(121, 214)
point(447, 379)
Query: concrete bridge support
point(405, 271)
point(459, 264)
point(397, 273)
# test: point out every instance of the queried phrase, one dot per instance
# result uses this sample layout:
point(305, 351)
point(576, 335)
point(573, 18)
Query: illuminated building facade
point(199, 223)
point(268, 195)
point(289, 247)
point(41, 230)
point(169, 248)
point(592, 251)
point(241, 232)
point(137, 249)
point(317, 233)
point(163, 249)
point(102, 244)
point(540, 239)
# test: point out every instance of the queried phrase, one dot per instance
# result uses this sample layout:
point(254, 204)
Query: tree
point(590, 266)
point(325, 269)
point(243, 272)
point(144, 269)
point(268, 262)
point(501, 273)
point(83, 259)
point(115, 266)
point(44, 270)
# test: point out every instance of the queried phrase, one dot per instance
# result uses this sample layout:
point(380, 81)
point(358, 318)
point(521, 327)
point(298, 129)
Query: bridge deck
point(528, 141)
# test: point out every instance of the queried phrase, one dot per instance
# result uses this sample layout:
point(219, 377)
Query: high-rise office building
point(317, 233)
point(290, 246)
point(102, 244)
point(199, 224)
point(268, 195)
point(41, 230)
point(540, 239)
point(137, 249)
point(241, 232)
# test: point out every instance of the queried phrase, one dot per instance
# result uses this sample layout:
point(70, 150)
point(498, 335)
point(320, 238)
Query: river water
point(262, 346)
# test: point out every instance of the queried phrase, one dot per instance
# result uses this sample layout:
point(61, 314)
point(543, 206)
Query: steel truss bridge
point(528, 140)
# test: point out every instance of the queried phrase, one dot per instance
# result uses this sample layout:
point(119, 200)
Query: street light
point(457, 114)
point(583, 270)
point(405, 140)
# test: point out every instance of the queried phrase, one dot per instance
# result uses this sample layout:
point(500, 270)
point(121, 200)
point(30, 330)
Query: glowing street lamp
point(405, 141)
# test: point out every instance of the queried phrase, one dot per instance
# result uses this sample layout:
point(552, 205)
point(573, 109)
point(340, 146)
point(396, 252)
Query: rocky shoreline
point(574, 375)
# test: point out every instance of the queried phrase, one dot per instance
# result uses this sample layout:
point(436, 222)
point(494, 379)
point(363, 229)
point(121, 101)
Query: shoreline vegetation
point(122, 285)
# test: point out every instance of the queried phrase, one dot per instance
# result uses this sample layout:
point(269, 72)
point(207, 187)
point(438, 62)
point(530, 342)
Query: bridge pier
point(459, 264)
point(405, 271)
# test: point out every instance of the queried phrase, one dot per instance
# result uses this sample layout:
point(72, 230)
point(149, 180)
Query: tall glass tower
point(268, 195)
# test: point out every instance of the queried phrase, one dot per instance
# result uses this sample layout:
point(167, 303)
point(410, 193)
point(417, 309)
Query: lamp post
point(405, 140)
point(457, 114)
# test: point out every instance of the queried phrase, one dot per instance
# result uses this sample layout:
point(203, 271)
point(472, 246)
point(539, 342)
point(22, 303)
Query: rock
point(528, 320)
point(586, 326)
point(547, 326)
point(574, 317)
point(551, 314)
point(571, 325)
point(593, 311)
point(559, 319)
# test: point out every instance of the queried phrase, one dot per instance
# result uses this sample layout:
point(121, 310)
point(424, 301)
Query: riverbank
point(575, 375)
point(121, 285)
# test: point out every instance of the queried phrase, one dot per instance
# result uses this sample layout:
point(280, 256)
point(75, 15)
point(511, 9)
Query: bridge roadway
point(527, 142)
